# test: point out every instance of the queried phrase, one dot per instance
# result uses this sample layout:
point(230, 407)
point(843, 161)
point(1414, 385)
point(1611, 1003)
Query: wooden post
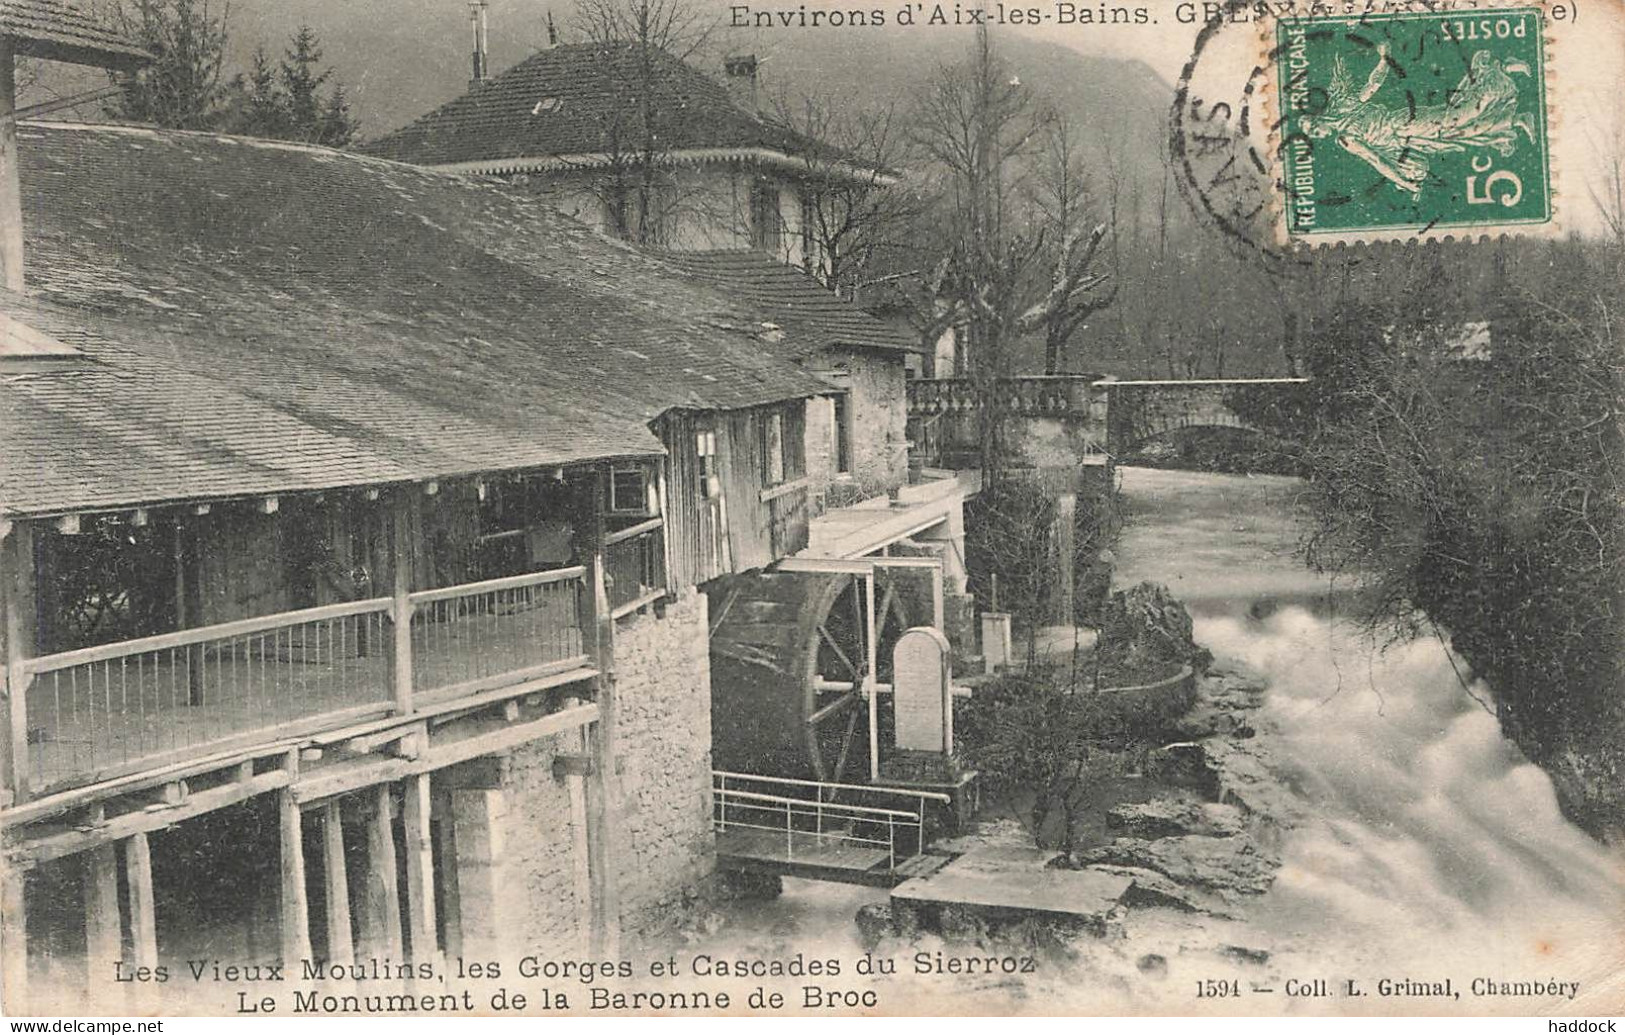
point(295, 909)
point(17, 584)
point(871, 660)
point(381, 917)
point(451, 907)
point(11, 197)
point(601, 785)
point(103, 933)
point(419, 869)
point(340, 945)
point(400, 563)
point(582, 847)
point(13, 943)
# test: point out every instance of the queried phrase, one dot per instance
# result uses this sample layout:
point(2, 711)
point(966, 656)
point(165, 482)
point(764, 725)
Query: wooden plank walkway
point(827, 852)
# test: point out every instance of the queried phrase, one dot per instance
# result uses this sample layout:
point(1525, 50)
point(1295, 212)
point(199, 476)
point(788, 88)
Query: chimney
point(476, 18)
point(741, 78)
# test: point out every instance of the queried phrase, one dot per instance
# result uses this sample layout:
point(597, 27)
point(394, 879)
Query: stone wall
point(878, 419)
point(540, 842)
point(663, 846)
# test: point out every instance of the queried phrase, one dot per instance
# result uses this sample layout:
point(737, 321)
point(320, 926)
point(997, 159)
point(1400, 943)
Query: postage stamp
point(1412, 124)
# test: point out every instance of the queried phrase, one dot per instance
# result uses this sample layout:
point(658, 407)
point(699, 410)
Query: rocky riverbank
point(1197, 842)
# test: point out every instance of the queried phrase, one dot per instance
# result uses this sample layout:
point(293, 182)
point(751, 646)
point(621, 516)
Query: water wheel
point(789, 664)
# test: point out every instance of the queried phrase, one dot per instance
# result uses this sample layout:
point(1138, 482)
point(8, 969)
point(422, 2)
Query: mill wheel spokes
point(835, 719)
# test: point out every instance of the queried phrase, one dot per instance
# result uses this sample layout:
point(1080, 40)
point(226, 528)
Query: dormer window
point(547, 104)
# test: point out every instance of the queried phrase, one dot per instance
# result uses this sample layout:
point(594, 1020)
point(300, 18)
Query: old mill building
point(365, 527)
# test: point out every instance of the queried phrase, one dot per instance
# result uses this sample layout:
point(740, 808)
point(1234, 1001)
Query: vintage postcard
point(682, 508)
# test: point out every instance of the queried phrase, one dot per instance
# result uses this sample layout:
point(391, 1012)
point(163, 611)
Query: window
point(766, 225)
point(773, 449)
point(809, 219)
point(629, 491)
point(709, 486)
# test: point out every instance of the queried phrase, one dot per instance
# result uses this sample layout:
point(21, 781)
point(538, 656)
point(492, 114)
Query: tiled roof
point(62, 31)
point(272, 316)
point(811, 316)
point(581, 103)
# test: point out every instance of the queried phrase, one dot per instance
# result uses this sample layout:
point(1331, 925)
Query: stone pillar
point(996, 650)
point(1066, 549)
point(13, 943)
point(103, 923)
point(477, 820)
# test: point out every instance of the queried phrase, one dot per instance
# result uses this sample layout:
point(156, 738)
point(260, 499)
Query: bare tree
point(852, 212)
point(1067, 207)
point(637, 185)
point(1607, 185)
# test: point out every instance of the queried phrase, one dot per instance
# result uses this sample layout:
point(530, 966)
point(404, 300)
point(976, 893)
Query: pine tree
point(262, 113)
point(337, 127)
point(183, 88)
point(302, 82)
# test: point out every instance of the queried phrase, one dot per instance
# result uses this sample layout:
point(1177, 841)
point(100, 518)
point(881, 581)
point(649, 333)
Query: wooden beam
point(346, 777)
point(420, 904)
point(295, 908)
point(13, 942)
point(72, 842)
point(400, 550)
point(381, 917)
point(143, 921)
point(17, 583)
point(340, 940)
point(599, 741)
point(489, 773)
point(582, 853)
point(451, 910)
point(571, 765)
point(103, 934)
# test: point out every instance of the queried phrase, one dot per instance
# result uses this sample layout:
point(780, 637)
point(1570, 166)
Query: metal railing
point(818, 820)
point(120, 707)
point(470, 636)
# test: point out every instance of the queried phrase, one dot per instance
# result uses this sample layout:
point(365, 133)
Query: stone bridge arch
point(1139, 411)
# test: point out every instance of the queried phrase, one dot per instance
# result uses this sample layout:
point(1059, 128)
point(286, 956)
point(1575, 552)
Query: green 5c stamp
point(1411, 124)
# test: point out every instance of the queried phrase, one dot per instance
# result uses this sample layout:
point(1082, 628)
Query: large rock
point(1145, 627)
point(1184, 764)
point(1153, 889)
point(1226, 864)
point(1170, 817)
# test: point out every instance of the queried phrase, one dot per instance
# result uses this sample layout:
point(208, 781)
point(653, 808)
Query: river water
point(1417, 844)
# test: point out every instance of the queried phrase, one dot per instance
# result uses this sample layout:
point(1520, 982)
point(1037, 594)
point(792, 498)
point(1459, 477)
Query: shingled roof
point(810, 316)
point(63, 31)
point(262, 317)
point(579, 106)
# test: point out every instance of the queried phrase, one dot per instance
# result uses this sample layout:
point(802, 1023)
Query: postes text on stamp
point(1400, 125)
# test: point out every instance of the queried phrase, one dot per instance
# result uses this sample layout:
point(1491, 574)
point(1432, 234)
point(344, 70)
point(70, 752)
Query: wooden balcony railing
point(635, 561)
point(104, 711)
